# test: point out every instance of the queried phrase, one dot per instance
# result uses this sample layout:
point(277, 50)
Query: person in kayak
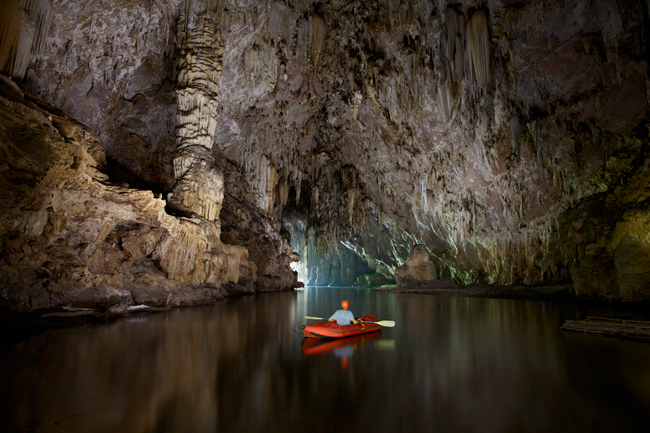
point(344, 316)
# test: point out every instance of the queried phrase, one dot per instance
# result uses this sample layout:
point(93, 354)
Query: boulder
point(418, 269)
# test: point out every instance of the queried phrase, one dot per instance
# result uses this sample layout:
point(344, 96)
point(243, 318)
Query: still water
point(449, 365)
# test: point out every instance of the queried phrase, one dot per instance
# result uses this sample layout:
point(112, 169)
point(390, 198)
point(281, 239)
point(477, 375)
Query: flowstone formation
point(508, 138)
point(68, 237)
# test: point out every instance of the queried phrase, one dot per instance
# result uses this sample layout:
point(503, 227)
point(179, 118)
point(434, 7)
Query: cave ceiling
point(481, 129)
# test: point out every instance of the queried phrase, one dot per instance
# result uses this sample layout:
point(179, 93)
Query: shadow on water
point(451, 364)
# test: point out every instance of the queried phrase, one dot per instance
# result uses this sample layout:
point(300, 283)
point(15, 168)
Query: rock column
point(199, 183)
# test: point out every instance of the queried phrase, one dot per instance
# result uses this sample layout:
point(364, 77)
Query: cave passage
point(242, 365)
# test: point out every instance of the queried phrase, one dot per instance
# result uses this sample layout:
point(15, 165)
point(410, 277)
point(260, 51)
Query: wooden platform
point(636, 329)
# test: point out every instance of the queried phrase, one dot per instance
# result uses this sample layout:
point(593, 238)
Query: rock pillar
point(199, 183)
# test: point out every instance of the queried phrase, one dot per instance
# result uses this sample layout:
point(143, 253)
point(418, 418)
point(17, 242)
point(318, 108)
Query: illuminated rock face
point(508, 138)
point(418, 269)
point(70, 237)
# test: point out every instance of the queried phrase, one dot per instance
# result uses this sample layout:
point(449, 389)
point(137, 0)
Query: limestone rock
point(610, 234)
point(246, 227)
point(69, 237)
point(116, 80)
point(418, 269)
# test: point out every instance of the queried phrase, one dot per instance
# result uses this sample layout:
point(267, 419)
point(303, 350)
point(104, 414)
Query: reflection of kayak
point(327, 329)
point(316, 346)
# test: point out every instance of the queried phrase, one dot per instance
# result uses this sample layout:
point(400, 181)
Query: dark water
point(450, 365)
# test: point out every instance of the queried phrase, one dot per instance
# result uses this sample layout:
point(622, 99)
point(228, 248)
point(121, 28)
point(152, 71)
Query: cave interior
point(173, 151)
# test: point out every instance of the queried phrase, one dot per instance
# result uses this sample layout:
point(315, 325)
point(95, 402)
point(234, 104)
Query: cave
point(172, 152)
point(471, 178)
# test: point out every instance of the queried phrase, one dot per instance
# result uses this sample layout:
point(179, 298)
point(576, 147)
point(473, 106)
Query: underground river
point(450, 364)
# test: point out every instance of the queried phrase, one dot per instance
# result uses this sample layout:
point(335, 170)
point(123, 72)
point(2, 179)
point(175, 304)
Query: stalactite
point(283, 191)
point(478, 48)
point(41, 12)
point(11, 24)
point(317, 30)
point(271, 181)
point(24, 25)
point(515, 130)
point(279, 17)
point(261, 64)
point(444, 97)
point(454, 49)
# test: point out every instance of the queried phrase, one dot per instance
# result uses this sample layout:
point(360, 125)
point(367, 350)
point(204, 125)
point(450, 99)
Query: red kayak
point(327, 329)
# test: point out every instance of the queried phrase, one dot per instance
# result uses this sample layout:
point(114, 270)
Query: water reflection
point(450, 364)
point(343, 347)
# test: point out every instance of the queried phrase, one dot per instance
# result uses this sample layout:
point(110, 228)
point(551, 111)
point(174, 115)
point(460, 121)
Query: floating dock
point(636, 329)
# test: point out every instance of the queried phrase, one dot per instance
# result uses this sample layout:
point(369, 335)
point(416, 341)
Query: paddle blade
point(313, 318)
point(386, 323)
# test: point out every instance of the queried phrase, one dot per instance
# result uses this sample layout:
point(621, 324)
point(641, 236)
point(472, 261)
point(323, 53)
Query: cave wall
point(508, 137)
point(474, 128)
point(110, 66)
point(70, 237)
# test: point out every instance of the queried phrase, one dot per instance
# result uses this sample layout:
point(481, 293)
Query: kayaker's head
point(345, 305)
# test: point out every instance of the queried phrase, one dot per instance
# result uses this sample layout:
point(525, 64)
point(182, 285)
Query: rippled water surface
point(450, 365)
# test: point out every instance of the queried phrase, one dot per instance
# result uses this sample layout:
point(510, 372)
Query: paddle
point(386, 323)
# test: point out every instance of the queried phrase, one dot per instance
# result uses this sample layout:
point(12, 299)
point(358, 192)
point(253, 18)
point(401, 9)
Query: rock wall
point(499, 134)
point(110, 66)
point(68, 237)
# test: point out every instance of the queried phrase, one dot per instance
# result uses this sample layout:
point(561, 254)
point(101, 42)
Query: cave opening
point(323, 262)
